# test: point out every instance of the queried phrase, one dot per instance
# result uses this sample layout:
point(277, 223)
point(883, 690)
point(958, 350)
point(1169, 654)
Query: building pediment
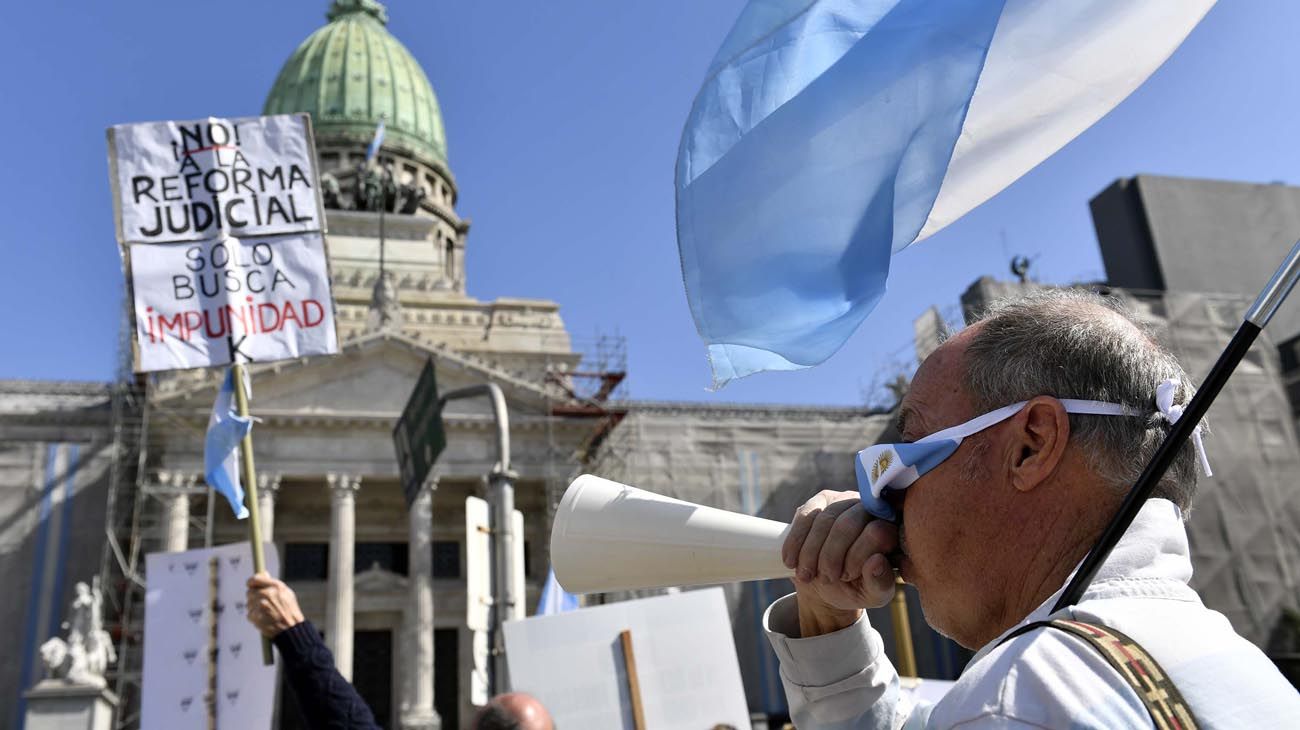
point(372, 375)
point(374, 580)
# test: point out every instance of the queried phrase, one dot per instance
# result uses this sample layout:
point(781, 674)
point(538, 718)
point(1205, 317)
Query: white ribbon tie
point(1171, 411)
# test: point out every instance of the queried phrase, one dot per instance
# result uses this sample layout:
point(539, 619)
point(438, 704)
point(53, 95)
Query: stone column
point(418, 710)
point(268, 486)
point(338, 598)
point(175, 500)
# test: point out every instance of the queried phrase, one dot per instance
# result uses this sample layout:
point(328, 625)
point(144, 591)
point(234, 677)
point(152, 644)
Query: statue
point(84, 656)
point(331, 193)
point(411, 196)
point(385, 306)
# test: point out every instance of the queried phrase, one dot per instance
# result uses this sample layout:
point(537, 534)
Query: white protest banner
point(177, 641)
point(209, 178)
point(686, 663)
point(198, 303)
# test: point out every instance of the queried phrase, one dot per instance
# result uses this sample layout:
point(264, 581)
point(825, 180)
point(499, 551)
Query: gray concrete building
point(1162, 234)
point(55, 457)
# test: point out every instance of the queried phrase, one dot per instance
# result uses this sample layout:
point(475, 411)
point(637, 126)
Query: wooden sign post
point(633, 684)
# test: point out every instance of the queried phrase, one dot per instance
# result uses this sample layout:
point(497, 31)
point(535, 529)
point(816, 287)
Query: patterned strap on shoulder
point(1169, 711)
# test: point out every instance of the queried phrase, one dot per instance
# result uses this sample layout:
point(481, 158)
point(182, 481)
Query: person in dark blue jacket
point(328, 701)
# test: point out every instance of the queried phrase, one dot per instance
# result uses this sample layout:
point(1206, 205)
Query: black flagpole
point(1256, 319)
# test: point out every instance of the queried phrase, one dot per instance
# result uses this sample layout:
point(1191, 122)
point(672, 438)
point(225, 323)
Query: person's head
point(513, 711)
point(997, 526)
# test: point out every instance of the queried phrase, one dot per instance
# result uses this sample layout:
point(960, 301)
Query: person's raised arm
point(833, 664)
point(326, 698)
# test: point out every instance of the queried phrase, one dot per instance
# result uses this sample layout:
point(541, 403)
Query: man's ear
point(1039, 434)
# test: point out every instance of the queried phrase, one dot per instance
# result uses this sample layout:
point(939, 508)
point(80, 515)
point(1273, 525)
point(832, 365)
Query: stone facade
point(55, 455)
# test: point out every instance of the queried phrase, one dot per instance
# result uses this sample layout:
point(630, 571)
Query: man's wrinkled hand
point(838, 552)
point(272, 605)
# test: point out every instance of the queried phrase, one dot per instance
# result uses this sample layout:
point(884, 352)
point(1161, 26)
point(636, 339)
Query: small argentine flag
point(373, 149)
point(221, 445)
point(554, 598)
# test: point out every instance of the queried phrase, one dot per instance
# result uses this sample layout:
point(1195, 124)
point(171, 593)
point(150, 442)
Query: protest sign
point(210, 178)
point(686, 666)
point(199, 303)
point(177, 642)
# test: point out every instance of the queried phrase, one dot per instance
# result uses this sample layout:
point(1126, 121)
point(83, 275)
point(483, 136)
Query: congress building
point(94, 476)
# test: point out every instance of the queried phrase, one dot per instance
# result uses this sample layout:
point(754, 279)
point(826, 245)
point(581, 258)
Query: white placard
point(518, 587)
point(268, 297)
point(208, 178)
point(478, 564)
point(176, 642)
point(685, 660)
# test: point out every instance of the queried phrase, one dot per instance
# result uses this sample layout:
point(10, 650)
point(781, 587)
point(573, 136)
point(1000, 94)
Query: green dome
point(350, 74)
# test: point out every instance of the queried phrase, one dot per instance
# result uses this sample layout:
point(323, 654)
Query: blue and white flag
point(226, 429)
point(373, 149)
point(554, 598)
point(831, 134)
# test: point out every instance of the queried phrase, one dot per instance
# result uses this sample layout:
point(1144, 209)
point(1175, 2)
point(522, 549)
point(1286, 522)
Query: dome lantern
point(351, 73)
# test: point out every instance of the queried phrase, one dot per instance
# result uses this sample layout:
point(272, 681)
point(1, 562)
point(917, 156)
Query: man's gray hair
point(1070, 343)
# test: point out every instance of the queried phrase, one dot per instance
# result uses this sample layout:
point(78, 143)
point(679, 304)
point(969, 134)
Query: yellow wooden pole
point(250, 493)
point(902, 632)
point(213, 567)
point(633, 681)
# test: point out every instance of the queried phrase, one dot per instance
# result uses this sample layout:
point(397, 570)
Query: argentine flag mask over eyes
point(895, 467)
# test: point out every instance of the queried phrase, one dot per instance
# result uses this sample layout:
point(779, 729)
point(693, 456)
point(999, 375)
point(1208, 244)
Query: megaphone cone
point(609, 537)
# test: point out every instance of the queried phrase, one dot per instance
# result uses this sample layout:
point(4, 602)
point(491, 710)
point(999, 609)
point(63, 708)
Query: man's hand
point(272, 605)
point(838, 553)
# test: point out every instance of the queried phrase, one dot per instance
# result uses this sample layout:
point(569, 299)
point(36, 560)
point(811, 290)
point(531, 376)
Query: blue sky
point(562, 122)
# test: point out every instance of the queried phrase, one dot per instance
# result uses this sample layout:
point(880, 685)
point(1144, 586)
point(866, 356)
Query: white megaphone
point(610, 537)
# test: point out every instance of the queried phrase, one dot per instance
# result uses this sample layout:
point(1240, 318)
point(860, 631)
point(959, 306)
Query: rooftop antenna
point(1020, 268)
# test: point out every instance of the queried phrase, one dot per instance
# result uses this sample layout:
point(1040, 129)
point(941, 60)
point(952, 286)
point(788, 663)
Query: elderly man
point(1022, 434)
point(513, 711)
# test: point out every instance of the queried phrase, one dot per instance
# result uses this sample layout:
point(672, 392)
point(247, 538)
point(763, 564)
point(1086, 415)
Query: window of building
point(310, 560)
point(446, 559)
point(306, 561)
point(390, 556)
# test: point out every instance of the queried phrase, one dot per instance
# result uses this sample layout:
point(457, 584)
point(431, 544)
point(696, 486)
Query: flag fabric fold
point(375, 143)
point(830, 134)
point(226, 429)
point(555, 599)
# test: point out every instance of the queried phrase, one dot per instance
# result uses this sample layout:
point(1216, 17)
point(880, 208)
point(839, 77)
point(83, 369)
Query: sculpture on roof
point(84, 656)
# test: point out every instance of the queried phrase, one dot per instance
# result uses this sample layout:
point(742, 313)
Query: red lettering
point(193, 322)
point(262, 309)
point(208, 316)
point(175, 323)
point(307, 305)
point(232, 315)
point(291, 313)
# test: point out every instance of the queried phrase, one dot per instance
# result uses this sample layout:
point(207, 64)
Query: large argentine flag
point(221, 446)
point(830, 134)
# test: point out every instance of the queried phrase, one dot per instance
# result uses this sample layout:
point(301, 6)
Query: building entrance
point(372, 673)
